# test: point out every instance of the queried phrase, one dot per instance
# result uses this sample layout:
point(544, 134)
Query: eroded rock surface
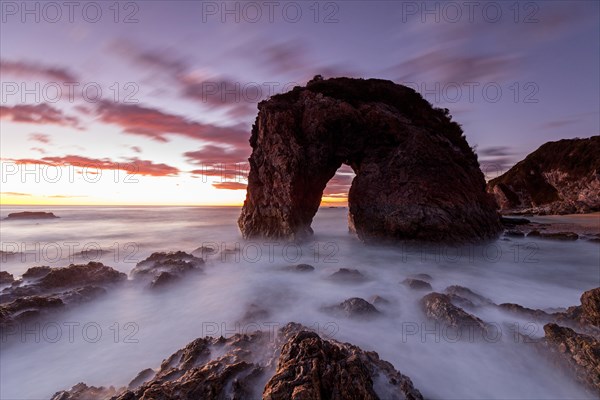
point(416, 176)
point(439, 307)
point(295, 364)
point(353, 308)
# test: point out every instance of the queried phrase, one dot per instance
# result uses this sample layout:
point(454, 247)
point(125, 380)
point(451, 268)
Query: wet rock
point(6, 278)
point(353, 308)
point(461, 293)
point(439, 307)
point(347, 275)
point(416, 284)
point(31, 215)
point(28, 307)
point(295, 364)
point(162, 268)
point(36, 272)
point(255, 314)
point(580, 353)
point(204, 251)
point(511, 222)
point(590, 306)
point(81, 295)
point(416, 176)
point(300, 268)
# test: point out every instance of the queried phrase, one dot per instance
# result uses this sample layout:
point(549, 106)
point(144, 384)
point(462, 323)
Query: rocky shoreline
point(294, 361)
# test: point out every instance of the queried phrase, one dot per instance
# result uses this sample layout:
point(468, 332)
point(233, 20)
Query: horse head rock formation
point(416, 176)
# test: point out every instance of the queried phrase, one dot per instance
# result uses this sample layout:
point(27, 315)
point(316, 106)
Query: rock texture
point(560, 177)
point(295, 364)
point(416, 176)
point(162, 269)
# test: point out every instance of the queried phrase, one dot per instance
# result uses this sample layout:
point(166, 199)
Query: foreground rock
point(416, 284)
point(6, 278)
point(416, 176)
point(578, 352)
point(44, 289)
point(31, 215)
point(560, 177)
point(161, 269)
point(347, 275)
point(296, 364)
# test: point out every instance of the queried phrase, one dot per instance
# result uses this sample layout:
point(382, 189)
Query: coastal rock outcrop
point(560, 177)
point(416, 176)
point(31, 215)
point(296, 364)
point(161, 269)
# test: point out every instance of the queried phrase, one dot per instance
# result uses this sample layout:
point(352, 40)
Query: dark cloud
point(137, 149)
point(159, 125)
point(496, 151)
point(42, 114)
point(29, 70)
point(559, 123)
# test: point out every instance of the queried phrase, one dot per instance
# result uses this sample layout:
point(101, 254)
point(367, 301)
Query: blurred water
point(133, 328)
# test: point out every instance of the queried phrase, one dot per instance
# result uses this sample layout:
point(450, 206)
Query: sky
point(152, 102)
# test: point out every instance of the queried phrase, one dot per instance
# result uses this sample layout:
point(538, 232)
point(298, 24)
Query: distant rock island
point(417, 178)
point(560, 177)
point(31, 215)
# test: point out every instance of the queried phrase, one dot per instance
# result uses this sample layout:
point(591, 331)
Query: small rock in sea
point(379, 300)
point(300, 268)
point(31, 215)
point(255, 314)
point(6, 278)
point(510, 222)
point(514, 233)
point(162, 268)
point(437, 306)
point(353, 308)
point(347, 275)
point(423, 277)
point(204, 251)
point(417, 284)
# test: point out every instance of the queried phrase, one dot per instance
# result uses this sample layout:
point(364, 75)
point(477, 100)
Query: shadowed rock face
point(416, 176)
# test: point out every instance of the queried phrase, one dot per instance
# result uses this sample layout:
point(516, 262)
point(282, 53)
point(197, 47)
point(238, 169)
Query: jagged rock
point(81, 391)
point(36, 272)
point(466, 296)
point(31, 215)
point(164, 268)
point(514, 233)
point(353, 308)
point(560, 177)
point(46, 289)
point(416, 284)
point(92, 273)
point(310, 368)
point(6, 278)
point(347, 275)
point(296, 364)
point(439, 307)
point(416, 176)
point(590, 306)
point(143, 376)
point(581, 353)
point(204, 251)
point(538, 315)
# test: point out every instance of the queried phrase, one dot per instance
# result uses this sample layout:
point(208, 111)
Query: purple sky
point(174, 59)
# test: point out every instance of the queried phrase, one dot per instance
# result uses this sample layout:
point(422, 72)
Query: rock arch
point(416, 176)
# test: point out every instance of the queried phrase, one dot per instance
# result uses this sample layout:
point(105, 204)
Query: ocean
point(110, 339)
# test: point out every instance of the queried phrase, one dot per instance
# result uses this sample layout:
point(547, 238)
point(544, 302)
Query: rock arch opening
point(416, 176)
